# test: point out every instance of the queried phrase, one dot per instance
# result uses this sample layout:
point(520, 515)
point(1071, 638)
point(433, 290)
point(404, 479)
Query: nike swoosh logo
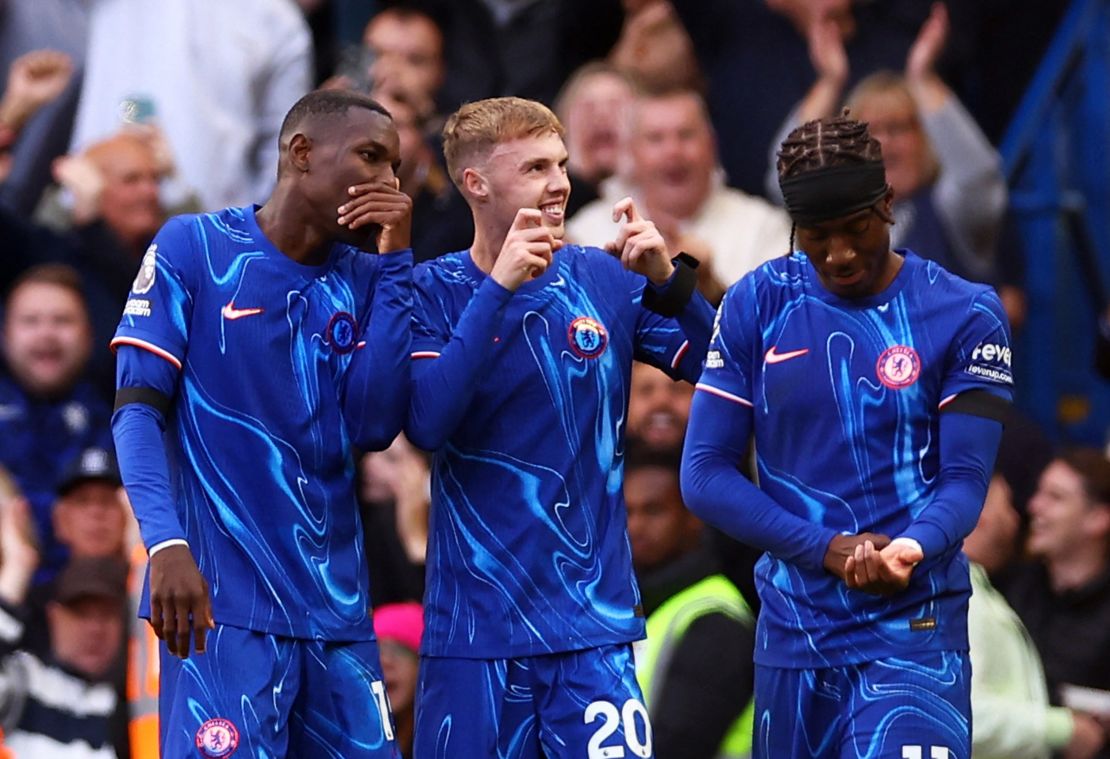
point(231, 312)
point(776, 358)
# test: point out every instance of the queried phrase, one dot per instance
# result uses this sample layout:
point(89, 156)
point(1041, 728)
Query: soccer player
point(523, 352)
point(265, 343)
point(874, 381)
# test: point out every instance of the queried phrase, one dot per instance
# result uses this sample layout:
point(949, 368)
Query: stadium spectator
point(29, 26)
point(523, 352)
point(58, 704)
point(936, 156)
point(394, 493)
point(755, 62)
point(1063, 596)
point(658, 408)
point(399, 628)
point(49, 412)
point(34, 80)
point(842, 359)
point(255, 561)
point(405, 48)
point(117, 209)
point(246, 64)
point(695, 665)
point(90, 517)
point(1011, 714)
point(676, 179)
point(593, 106)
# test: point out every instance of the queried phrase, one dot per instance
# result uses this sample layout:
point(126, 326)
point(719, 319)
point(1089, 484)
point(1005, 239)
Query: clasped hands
point(871, 562)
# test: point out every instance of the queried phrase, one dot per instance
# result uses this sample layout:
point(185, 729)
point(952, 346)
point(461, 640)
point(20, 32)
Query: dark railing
point(1056, 154)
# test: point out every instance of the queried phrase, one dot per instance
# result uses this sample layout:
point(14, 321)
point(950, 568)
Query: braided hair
point(824, 144)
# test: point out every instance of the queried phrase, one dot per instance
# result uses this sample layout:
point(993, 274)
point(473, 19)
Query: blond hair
point(473, 131)
point(886, 85)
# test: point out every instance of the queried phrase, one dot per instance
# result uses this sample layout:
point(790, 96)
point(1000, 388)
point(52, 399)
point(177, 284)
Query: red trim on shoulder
point(162, 353)
point(679, 354)
point(722, 394)
point(947, 400)
point(425, 354)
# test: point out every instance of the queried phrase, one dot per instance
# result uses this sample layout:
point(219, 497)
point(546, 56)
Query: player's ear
point(475, 184)
point(299, 148)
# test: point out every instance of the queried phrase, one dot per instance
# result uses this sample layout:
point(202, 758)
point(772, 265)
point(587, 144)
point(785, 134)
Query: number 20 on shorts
point(632, 713)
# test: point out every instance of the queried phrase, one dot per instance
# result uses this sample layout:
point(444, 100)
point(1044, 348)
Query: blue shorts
point(580, 704)
point(258, 695)
point(910, 707)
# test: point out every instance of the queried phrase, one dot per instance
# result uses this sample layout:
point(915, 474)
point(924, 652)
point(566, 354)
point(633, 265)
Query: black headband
point(816, 196)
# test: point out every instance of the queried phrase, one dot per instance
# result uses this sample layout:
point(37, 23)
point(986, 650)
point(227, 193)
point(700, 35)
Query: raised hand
point(382, 204)
point(639, 244)
point(19, 555)
point(85, 182)
point(179, 602)
point(827, 53)
point(34, 79)
point(881, 572)
point(922, 59)
point(526, 252)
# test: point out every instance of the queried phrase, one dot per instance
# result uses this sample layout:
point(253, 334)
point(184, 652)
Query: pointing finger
point(527, 218)
point(626, 207)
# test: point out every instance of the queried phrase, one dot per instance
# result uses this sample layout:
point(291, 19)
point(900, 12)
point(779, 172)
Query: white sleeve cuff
point(166, 544)
point(908, 542)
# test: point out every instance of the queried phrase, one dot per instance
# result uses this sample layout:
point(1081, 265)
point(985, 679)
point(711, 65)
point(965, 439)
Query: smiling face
point(1062, 514)
point(595, 113)
point(528, 172)
point(852, 254)
point(47, 337)
point(658, 407)
point(673, 152)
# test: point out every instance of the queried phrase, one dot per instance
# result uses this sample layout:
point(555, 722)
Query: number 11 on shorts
point(377, 687)
point(916, 752)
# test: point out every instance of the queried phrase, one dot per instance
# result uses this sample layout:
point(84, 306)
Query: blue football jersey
point(846, 398)
point(528, 551)
point(261, 464)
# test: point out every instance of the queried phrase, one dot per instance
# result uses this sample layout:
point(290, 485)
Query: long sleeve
point(137, 429)
point(695, 320)
point(970, 168)
point(715, 490)
point(376, 397)
point(968, 445)
point(444, 381)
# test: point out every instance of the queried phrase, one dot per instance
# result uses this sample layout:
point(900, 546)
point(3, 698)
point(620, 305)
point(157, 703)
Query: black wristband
point(677, 292)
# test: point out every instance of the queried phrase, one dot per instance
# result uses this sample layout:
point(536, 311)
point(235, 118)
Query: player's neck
point(289, 230)
point(488, 239)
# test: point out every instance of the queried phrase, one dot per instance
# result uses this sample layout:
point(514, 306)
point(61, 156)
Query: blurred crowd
point(117, 114)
